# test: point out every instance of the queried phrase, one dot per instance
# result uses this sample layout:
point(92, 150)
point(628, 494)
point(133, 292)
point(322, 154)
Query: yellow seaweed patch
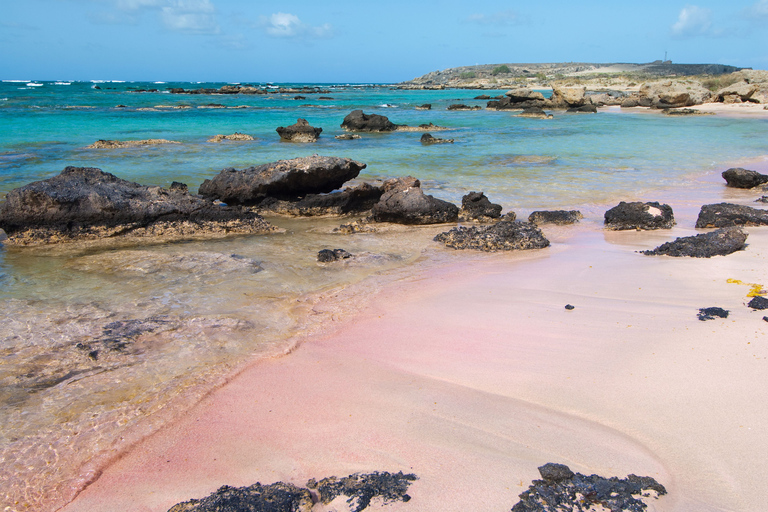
point(755, 290)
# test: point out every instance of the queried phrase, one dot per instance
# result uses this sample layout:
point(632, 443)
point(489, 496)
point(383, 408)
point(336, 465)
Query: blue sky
point(359, 41)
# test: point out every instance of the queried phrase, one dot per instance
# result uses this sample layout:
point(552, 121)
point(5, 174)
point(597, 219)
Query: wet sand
point(472, 374)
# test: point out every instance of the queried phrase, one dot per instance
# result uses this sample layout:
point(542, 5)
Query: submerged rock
point(461, 106)
point(348, 201)
point(476, 206)
point(301, 131)
point(348, 136)
point(638, 215)
point(237, 136)
point(717, 243)
point(357, 121)
point(505, 235)
point(403, 202)
point(723, 215)
point(277, 497)
point(738, 177)
point(559, 217)
point(712, 313)
point(116, 144)
point(284, 179)
point(85, 203)
point(329, 255)
point(535, 113)
point(427, 138)
point(561, 490)
point(426, 106)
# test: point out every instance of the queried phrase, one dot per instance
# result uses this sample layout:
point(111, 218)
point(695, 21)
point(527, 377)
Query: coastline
point(471, 374)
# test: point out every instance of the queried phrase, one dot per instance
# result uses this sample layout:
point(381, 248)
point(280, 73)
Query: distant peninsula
point(615, 75)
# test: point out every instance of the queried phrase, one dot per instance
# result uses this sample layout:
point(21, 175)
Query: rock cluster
point(716, 243)
point(505, 235)
point(301, 131)
point(638, 215)
point(85, 203)
point(562, 489)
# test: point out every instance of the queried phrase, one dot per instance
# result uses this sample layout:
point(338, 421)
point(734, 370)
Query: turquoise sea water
point(62, 407)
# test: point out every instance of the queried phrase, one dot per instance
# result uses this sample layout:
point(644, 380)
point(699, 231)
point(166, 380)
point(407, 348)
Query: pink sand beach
point(472, 373)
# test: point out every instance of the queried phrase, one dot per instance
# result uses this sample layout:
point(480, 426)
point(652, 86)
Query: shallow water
point(97, 342)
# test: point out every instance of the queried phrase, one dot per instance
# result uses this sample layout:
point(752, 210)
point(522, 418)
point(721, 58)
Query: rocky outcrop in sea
point(404, 202)
point(476, 206)
point(358, 121)
point(739, 177)
point(300, 131)
point(639, 215)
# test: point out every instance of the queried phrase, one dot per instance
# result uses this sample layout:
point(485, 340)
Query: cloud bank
point(285, 25)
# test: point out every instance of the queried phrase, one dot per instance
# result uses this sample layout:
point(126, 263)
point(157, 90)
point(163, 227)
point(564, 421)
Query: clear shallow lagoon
point(203, 311)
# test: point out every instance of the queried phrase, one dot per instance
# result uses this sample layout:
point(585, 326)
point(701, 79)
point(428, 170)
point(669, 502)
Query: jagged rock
point(85, 203)
point(476, 206)
point(638, 215)
point(348, 136)
point(329, 255)
point(361, 489)
point(403, 202)
point(758, 302)
point(427, 138)
point(117, 144)
point(284, 179)
point(461, 106)
point(301, 131)
point(723, 215)
point(717, 243)
point(569, 97)
point(712, 313)
point(234, 137)
point(351, 200)
point(277, 497)
point(426, 106)
point(357, 121)
point(559, 492)
point(587, 108)
point(675, 93)
point(535, 113)
point(560, 217)
point(505, 235)
point(738, 177)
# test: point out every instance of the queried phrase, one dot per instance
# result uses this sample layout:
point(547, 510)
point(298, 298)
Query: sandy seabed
point(471, 374)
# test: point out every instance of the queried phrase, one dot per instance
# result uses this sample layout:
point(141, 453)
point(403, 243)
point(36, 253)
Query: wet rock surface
point(358, 489)
point(739, 177)
point(638, 215)
point(427, 139)
point(535, 113)
point(723, 215)
point(721, 242)
point(462, 106)
point(358, 121)
point(85, 203)
point(712, 313)
point(118, 144)
point(301, 131)
point(563, 490)
point(505, 235)
point(351, 200)
point(403, 202)
point(476, 206)
point(330, 255)
point(559, 217)
point(284, 179)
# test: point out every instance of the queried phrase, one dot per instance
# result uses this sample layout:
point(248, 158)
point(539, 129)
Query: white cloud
point(502, 18)
point(282, 24)
point(759, 9)
point(190, 16)
point(693, 21)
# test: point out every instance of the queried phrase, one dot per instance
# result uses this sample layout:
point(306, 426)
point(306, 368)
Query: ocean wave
point(63, 83)
point(158, 82)
point(34, 84)
point(16, 81)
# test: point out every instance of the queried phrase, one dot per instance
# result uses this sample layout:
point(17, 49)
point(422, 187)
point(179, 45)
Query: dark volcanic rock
point(723, 215)
point(299, 132)
point(426, 106)
point(403, 202)
point(284, 179)
point(85, 203)
point(505, 235)
point(587, 108)
point(743, 178)
point(461, 106)
point(560, 217)
point(357, 121)
point(329, 255)
point(558, 492)
point(278, 497)
point(427, 138)
point(758, 303)
point(639, 215)
point(717, 243)
point(712, 313)
point(362, 488)
point(350, 200)
point(348, 136)
point(535, 113)
point(476, 206)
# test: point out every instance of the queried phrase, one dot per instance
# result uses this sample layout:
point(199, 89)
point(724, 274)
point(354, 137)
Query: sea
point(101, 346)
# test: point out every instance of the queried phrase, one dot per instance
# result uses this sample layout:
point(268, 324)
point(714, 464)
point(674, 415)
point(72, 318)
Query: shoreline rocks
point(721, 242)
point(284, 179)
point(641, 216)
point(738, 177)
point(300, 131)
point(722, 215)
point(403, 202)
point(505, 235)
point(476, 206)
point(559, 217)
point(85, 203)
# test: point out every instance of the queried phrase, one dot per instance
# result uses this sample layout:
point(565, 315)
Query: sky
point(361, 41)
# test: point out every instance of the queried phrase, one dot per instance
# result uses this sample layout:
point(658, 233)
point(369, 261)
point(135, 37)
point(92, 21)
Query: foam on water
point(100, 346)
